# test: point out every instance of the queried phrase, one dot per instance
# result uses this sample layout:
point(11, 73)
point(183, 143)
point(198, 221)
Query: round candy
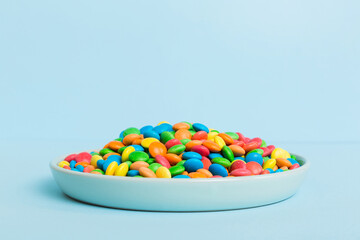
point(122, 170)
point(227, 153)
point(147, 141)
point(110, 170)
point(181, 176)
point(203, 151)
point(172, 142)
point(157, 148)
point(217, 169)
point(222, 161)
point(269, 164)
point(132, 173)
point(163, 172)
point(193, 164)
point(200, 127)
point(126, 153)
point(131, 130)
point(138, 156)
point(188, 155)
point(137, 165)
point(151, 134)
point(145, 172)
point(154, 166)
point(162, 160)
point(280, 153)
point(177, 149)
point(212, 146)
point(84, 156)
point(254, 157)
point(176, 170)
point(254, 167)
point(241, 172)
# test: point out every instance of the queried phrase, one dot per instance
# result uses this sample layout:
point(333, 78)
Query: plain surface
point(326, 206)
point(282, 70)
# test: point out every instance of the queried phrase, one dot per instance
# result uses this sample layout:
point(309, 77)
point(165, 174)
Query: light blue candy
point(181, 176)
point(80, 168)
point(72, 163)
point(254, 157)
point(114, 158)
point(200, 127)
point(138, 148)
point(279, 170)
point(239, 158)
point(132, 173)
point(151, 134)
point(214, 155)
point(193, 164)
point(293, 161)
point(100, 164)
point(146, 128)
point(122, 134)
point(188, 155)
point(163, 128)
point(217, 169)
point(270, 170)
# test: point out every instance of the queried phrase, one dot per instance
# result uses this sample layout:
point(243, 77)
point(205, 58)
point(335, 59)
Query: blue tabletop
point(326, 206)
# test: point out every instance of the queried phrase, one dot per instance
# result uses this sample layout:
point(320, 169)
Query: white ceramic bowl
point(198, 194)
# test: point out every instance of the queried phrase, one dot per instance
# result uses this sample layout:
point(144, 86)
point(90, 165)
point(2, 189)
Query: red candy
point(254, 167)
point(172, 142)
point(206, 162)
point(240, 172)
point(203, 151)
point(237, 164)
point(294, 166)
point(201, 135)
point(83, 157)
point(70, 157)
point(162, 160)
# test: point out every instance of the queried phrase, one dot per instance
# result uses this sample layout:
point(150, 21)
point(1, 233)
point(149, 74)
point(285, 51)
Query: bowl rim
point(303, 168)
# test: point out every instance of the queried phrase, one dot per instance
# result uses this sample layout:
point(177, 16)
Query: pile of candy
point(182, 150)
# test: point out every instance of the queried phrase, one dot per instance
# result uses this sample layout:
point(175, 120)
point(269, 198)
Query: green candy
point(222, 161)
point(150, 160)
point(177, 149)
point(185, 141)
point(216, 131)
point(233, 135)
point(128, 163)
point(263, 144)
point(181, 163)
point(98, 170)
point(138, 156)
point(192, 132)
point(122, 149)
point(105, 151)
point(176, 170)
point(154, 166)
point(266, 158)
point(166, 136)
point(293, 157)
point(94, 153)
point(118, 139)
point(131, 130)
point(259, 151)
point(227, 153)
point(138, 176)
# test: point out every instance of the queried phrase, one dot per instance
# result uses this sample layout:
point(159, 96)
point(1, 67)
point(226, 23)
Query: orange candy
point(192, 143)
point(89, 168)
point(227, 139)
point(212, 146)
point(283, 162)
point(207, 173)
point(250, 146)
point(115, 145)
point(237, 150)
point(181, 125)
point(157, 148)
point(84, 164)
point(182, 134)
point(146, 172)
point(172, 158)
point(137, 165)
point(129, 139)
point(197, 175)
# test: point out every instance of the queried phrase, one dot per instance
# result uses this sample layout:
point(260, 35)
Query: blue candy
point(239, 158)
point(188, 155)
point(132, 173)
point(214, 155)
point(163, 128)
point(193, 164)
point(114, 158)
point(200, 127)
point(254, 157)
point(293, 161)
point(181, 176)
point(74, 169)
point(151, 134)
point(270, 170)
point(122, 134)
point(138, 148)
point(80, 168)
point(217, 169)
point(279, 170)
point(100, 164)
point(72, 163)
point(146, 128)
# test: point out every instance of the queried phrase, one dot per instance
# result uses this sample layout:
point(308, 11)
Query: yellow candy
point(147, 141)
point(220, 141)
point(280, 153)
point(63, 163)
point(111, 169)
point(122, 169)
point(212, 135)
point(270, 163)
point(94, 160)
point(163, 172)
point(126, 153)
point(162, 122)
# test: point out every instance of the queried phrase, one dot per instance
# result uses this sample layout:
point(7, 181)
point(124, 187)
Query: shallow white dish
point(199, 194)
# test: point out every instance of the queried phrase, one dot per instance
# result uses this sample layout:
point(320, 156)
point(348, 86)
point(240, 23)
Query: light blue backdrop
point(281, 70)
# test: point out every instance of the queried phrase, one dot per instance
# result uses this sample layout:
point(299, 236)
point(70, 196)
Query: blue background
point(73, 74)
